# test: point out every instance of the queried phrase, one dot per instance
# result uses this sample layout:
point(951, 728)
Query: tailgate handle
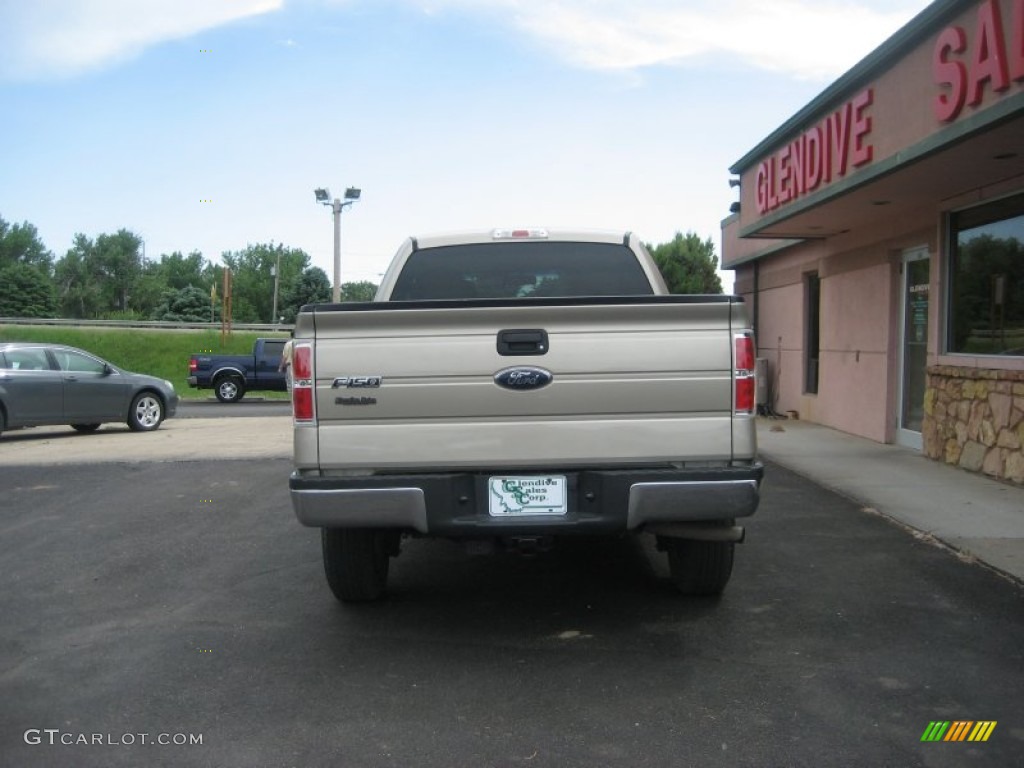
point(523, 342)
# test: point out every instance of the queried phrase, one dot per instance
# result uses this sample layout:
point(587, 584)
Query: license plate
point(521, 496)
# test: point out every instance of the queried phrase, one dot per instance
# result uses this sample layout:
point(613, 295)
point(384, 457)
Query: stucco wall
point(780, 324)
point(853, 388)
point(856, 327)
point(780, 340)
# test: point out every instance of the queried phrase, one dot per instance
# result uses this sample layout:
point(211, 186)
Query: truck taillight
point(746, 382)
point(303, 406)
point(193, 365)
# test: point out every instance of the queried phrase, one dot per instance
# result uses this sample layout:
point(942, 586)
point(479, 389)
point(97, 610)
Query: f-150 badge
point(357, 382)
point(523, 378)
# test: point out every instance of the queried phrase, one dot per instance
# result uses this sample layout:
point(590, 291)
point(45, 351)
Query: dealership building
point(878, 240)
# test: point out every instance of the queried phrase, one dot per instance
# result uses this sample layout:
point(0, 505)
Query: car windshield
point(507, 270)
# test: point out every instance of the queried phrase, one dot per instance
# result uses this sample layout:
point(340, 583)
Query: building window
point(986, 293)
point(812, 335)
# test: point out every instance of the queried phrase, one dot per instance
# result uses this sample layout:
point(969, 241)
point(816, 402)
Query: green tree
point(688, 264)
point(172, 272)
point(98, 278)
point(184, 305)
point(78, 293)
point(116, 263)
point(180, 271)
point(364, 290)
point(20, 244)
point(252, 282)
point(25, 291)
point(311, 287)
point(149, 289)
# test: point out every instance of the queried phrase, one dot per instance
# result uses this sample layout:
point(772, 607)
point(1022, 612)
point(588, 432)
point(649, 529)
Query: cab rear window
point(509, 270)
point(273, 348)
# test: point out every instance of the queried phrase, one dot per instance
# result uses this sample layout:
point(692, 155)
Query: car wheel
point(146, 413)
point(356, 562)
point(229, 389)
point(85, 427)
point(3, 421)
point(699, 567)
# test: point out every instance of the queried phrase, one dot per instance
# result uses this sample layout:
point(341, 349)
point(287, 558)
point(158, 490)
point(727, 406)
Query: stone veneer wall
point(974, 419)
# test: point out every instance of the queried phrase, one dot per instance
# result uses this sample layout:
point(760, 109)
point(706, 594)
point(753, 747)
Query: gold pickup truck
point(512, 387)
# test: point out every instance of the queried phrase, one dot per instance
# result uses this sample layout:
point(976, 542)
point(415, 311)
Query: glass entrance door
point(913, 346)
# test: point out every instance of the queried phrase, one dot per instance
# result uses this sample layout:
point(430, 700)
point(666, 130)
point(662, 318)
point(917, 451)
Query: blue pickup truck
point(231, 376)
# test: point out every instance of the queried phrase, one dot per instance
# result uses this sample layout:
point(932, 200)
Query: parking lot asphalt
point(173, 597)
point(979, 518)
point(192, 439)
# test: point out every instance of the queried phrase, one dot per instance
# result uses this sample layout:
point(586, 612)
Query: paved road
point(214, 409)
point(192, 439)
point(181, 597)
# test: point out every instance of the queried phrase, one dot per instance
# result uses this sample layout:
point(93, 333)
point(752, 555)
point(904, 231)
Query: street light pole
point(277, 280)
point(323, 196)
point(337, 207)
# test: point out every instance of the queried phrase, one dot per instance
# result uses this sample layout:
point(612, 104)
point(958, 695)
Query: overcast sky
point(206, 124)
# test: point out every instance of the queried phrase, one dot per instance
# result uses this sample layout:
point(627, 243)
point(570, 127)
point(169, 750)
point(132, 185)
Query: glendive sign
point(819, 155)
point(967, 65)
point(963, 63)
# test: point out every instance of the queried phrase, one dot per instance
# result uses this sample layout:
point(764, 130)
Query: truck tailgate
point(634, 380)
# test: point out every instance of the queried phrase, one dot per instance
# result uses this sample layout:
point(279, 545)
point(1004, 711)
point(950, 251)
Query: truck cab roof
point(517, 234)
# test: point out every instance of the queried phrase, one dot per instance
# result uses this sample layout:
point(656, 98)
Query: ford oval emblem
point(523, 378)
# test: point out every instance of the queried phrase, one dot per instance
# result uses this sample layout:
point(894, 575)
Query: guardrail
point(151, 324)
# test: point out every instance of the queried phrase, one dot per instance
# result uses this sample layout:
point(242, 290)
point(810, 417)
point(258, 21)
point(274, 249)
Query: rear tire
point(84, 428)
point(356, 562)
point(699, 567)
point(229, 389)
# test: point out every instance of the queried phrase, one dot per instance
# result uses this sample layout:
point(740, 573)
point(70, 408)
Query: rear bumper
point(193, 381)
point(604, 501)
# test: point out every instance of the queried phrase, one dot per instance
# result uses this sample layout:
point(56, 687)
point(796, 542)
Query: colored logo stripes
point(958, 730)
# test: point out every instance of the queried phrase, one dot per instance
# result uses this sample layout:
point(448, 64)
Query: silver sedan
point(46, 384)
